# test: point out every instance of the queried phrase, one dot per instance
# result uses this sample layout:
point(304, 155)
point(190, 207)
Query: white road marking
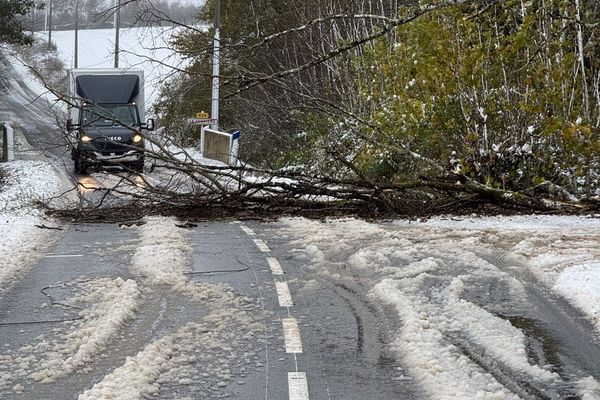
point(298, 386)
point(291, 334)
point(275, 266)
point(284, 295)
point(63, 255)
point(248, 231)
point(262, 246)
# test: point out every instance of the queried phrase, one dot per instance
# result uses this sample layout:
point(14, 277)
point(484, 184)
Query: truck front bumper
point(97, 158)
point(127, 157)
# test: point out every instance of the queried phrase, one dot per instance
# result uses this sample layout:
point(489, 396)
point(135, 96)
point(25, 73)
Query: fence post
point(4, 142)
point(202, 129)
point(8, 140)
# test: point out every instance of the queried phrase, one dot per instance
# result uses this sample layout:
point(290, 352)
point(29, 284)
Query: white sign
point(201, 121)
point(221, 146)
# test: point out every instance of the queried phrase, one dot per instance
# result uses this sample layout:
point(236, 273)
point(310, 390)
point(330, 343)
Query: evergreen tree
point(11, 29)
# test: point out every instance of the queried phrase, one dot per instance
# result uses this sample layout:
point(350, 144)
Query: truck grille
point(107, 146)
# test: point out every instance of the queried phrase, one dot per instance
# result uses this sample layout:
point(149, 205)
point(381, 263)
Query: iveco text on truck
point(106, 117)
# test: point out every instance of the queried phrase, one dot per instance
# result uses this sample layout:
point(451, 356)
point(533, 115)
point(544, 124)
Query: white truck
point(105, 118)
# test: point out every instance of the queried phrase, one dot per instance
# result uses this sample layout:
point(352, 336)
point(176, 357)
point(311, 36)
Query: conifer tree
point(11, 29)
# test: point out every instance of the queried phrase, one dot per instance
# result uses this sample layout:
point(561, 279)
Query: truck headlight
point(137, 138)
point(86, 139)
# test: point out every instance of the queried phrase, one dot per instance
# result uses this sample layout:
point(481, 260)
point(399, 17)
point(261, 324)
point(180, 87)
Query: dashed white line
point(262, 245)
point(248, 231)
point(284, 295)
point(275, 266)
point(297, 382)
point(63, 255)
point(291, 335)
point(298, 386)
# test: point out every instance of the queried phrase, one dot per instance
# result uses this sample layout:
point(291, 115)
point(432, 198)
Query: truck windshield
point(110, 115)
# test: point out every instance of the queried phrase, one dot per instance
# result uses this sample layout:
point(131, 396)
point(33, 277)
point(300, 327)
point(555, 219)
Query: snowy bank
point(22, 243)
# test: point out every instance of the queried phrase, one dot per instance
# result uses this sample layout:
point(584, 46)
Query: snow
point(110, 305)
point(144, 47)
point(201, 351)
point(177, 356)
point(442, 371)
point(34, 84)
point(432, 273)
point(164, 253)
point(168, 152)
point(137, 378)
point(107, 305)
point(589, 388)
point(581, 285)
point(22, 242)
point(516, 223)
point(162, 258)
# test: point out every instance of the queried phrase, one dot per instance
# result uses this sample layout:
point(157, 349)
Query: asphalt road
point(341, 336)
point(280, 330)
point(34, 115)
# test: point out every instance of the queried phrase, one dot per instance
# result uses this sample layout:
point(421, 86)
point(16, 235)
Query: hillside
point(145, 48)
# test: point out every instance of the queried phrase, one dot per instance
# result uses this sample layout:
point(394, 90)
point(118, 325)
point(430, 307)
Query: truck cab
point(106, 119)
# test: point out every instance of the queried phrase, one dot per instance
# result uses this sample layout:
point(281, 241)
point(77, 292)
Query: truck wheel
point(80, 167)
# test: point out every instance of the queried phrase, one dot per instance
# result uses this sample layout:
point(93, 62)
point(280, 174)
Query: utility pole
point(32, 19)
point(75, 56)
point(216, 65)
point(117, 26)
point(49, 23)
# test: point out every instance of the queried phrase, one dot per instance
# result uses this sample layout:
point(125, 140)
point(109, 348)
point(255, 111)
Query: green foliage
point(499, 91)
point(11, 29)
point(501, 87)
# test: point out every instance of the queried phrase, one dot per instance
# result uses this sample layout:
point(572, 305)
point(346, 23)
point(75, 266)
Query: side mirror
point(150, 124)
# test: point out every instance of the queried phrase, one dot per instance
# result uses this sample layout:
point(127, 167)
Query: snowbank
point(22, 243)
point(580, 284)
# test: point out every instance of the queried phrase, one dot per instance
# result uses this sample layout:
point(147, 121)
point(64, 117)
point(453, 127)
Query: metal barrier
point(8, 138)
point(220, 146)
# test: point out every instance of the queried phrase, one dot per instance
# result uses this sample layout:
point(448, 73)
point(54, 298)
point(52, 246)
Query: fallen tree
point(190, 188)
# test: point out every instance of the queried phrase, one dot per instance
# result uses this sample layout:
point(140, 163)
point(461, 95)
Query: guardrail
point(8, 138)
